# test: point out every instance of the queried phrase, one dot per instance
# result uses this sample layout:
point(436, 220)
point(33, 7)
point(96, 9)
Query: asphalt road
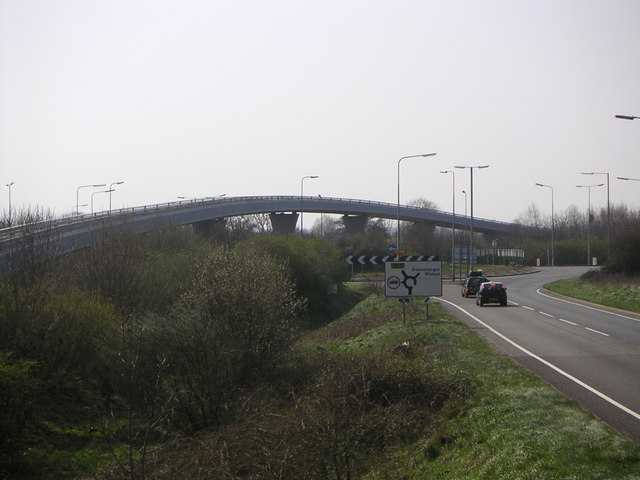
point(589, 353)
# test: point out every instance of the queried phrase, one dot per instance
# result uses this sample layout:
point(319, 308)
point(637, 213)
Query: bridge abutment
point(211, 229)
point(355, 223)
point(283, 222)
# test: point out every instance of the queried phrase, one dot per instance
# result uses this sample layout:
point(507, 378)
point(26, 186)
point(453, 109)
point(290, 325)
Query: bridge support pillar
point(355, 223)
point(283, 222)
point(211, 229)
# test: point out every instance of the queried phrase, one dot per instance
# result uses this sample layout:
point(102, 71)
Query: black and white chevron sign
point(381, 259)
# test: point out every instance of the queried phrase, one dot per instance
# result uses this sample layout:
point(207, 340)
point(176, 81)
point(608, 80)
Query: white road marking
point(546, 314)
point(587, 306)
point(597, 331)
point(528, 308)
point(567, 375)
point(567, 321)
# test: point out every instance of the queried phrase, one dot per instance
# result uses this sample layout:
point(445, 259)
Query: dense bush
point(313, 265)
point(625, 251)
point(62, 332)
point(321, 417)
point(239, 316)
point(18, 396)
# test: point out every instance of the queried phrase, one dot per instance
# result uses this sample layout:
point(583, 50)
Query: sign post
point(413, 279)
point(406, 279)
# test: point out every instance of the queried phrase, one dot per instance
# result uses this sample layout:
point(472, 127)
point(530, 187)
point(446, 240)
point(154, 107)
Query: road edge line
point(557, 369)
point(539, 292)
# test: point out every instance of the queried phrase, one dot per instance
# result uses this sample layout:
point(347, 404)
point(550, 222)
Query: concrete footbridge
point(75, 231)
point(284, 212)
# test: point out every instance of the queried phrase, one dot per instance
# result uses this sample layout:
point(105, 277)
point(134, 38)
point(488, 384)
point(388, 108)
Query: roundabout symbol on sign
point(393, 282)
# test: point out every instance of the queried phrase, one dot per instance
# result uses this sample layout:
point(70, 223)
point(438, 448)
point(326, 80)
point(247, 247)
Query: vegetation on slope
point(166, 357)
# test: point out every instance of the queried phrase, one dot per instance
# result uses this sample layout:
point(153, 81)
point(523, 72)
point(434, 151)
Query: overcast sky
point(199, 98)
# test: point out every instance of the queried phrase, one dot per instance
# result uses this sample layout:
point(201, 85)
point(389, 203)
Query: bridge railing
point(18, 230)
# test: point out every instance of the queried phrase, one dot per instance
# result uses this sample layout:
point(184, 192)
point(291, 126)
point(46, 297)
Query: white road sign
point(413, 279)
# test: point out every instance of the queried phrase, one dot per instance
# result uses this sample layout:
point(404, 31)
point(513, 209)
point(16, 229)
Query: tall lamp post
point(398, 209)
point(471, 224)
point(627, 117)
point(453, 226)
point(111, 190)
point(78, 194)
point(553, 262)
point(464, 192)
point(95, 193)
point(9, 185)
point(321, 220)
point(302, 199)
point(608, 210)
point(589, 187)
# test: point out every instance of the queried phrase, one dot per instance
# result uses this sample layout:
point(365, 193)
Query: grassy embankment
point(606, 290)
point(490, 419)
point(486, 417)
point(514, 426)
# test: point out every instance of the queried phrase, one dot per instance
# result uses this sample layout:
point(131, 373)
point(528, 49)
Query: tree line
point(143, 335)
point(613, 235)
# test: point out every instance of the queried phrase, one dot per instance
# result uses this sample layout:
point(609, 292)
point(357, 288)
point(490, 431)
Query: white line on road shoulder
point(587, 306)
point(597, 331)
point(567, 375)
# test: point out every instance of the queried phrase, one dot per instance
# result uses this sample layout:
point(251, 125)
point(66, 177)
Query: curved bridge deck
point(75, 231)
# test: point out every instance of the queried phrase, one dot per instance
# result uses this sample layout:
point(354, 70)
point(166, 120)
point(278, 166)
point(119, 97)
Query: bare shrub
point(239, 316)
point(325, 419)
point(114, 266)
point(348, 329)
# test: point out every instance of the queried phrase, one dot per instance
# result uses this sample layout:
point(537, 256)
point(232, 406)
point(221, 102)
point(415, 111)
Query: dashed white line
point(597, 331)
point(567, 375)
point(546, 314)
point(539, 292)
point(567, 321)
point(528, 308)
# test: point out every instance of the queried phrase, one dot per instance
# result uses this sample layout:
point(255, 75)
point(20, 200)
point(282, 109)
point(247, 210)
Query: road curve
point(590, 354)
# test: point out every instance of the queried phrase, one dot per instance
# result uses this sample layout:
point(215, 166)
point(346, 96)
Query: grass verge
point(515, 426)
point(372, 397)
point(606, 290)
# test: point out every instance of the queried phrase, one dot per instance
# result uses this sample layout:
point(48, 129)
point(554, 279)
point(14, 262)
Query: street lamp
point(321, 220)
point(9, 185)
point(95, 193)
point(398, 210)
point(85, 186)
point(608, 210)
point(552, 221)
point(588, 187)
point(471, 224)
point(111, 190)
point(302, 197)
point(628, 178)
point(626, 117)
point(464, 192)
point(453, 226)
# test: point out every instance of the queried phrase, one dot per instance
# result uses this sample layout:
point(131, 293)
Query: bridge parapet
point(75, 230)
